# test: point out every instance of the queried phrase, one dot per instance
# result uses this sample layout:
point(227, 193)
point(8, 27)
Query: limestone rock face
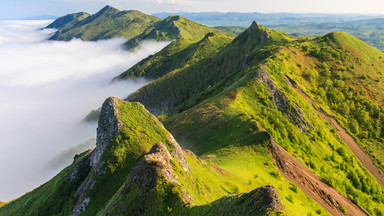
point(254, 27)
point(177, 152)
point(291, 109)
point(155, 166)
point(108, 127)
point(264, 37)
point(269, 197)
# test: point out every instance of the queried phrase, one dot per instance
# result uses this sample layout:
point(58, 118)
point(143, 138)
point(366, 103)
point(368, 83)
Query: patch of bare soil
point(347, 139)
point(326, 196)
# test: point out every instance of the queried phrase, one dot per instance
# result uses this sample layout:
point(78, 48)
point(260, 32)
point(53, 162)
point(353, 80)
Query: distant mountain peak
point(173, 18)
point(254, 27)
point(109, 10)
point(107, 7)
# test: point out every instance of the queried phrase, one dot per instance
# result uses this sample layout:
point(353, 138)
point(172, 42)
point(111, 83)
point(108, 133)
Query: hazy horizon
point(23, 8)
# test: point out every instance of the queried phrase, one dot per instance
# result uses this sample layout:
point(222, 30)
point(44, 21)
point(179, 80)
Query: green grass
point(68, 21)
point(178, 55)
point(372, 35)
point(182, 89)
point(234, 29)
point(139, 133)
point(232, 141)
point(173, 28)
point(319, 148)
point(107, 23)
point(55, 197)
point(215, 106)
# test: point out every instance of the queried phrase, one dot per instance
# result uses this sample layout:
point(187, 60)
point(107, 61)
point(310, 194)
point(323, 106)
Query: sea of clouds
point(46, 89)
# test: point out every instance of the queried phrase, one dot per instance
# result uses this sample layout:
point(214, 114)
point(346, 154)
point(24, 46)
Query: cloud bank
point(46, 89)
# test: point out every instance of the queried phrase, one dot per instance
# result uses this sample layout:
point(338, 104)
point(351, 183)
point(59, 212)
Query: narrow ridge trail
point(348, 139)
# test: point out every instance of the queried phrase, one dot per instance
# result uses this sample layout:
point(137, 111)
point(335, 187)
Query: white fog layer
point(46, 89)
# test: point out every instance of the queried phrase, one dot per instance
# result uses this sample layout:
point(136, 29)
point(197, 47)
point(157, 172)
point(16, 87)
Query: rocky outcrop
point(269, 197)
point(154, 170)
point(262, 38)
point(157, 164)
point(109, 126)
point(154, 166)
point(177, 153)
point(289, 108)
point(254, 27)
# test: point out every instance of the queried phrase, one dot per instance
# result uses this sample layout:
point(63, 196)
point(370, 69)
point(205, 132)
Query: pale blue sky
point(26, 8)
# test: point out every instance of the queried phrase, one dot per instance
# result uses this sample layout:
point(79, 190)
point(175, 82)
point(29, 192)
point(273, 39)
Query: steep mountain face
point(133, 25)
point(173, 28)
point(257, 78)
point(68, 21)
point(105, 24)
point(138, 168)
point(176, 56)
point(192, 42)
point(194, 84)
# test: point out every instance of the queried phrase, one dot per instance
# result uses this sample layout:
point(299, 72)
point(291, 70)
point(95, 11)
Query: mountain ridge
point(107, 23)
point(157, 170)
point(269, 120)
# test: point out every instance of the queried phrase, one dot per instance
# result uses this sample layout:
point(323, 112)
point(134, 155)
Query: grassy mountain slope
point(138, 168)
point(181, 89)
point(290, 119)
point(179, 54)
point(68, 21)
point(346, 83)
point(234, 29)
point(372, 35)
point(192, 42)
point(258, 111)
point(203, 129)
point(173, 28)
point(107, 23)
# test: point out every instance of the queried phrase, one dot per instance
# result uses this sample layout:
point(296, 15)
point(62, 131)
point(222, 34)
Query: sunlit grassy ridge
point(229, 139)
point(110, 186)
point(68, 21)
point(179, 54)
point(132, 25)
point(345, 79)
point(338, 55)
point(191, 42)
point(105, 24)
point(182, 89)
point(370, 34)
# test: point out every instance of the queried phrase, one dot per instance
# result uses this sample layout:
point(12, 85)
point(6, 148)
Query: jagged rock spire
point(108, 127)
